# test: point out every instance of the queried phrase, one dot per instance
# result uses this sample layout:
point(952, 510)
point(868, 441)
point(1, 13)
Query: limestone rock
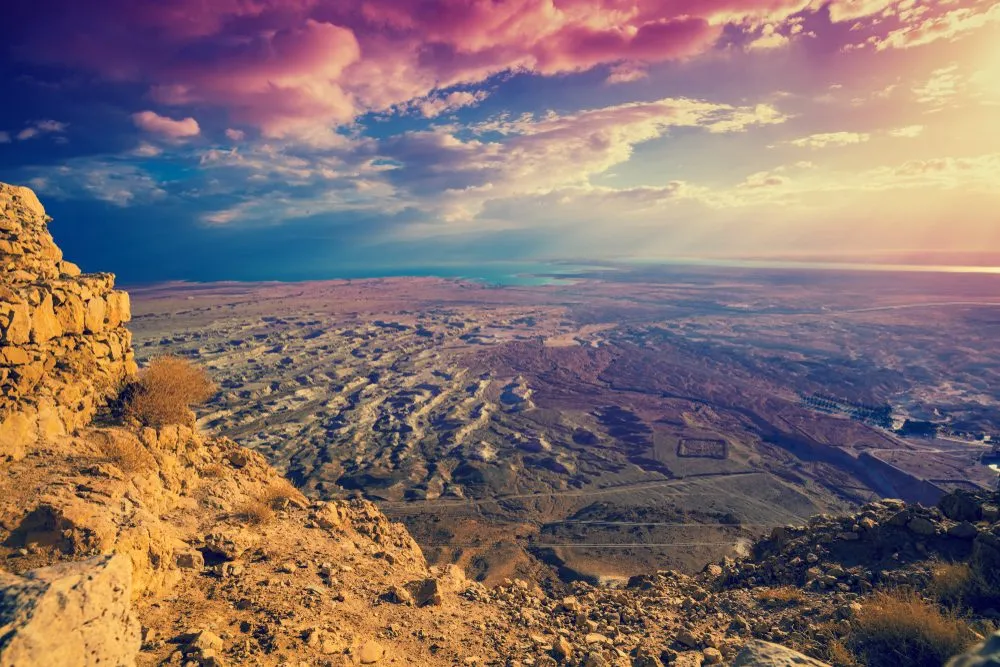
point(766, 654)
point(986, 654)
point(69, 614)
point(63, 342)
point(370, 652)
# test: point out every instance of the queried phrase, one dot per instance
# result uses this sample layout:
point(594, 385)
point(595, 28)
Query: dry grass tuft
point(899, 628)
point(254, 513)
point(126, 453)
point(838, 655)
point(166, 390)
point(280, 493)
point(951, 583)
point(214, 471)
point(783, 596)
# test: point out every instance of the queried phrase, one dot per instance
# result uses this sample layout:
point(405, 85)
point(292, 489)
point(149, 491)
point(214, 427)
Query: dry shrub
point(280, 493)
point(898, 628)
point(166, 390)
point(126, 453)
point(951, 583)
point(838, 655)
point(214, 471)
point(783, 596)
point(255, 513)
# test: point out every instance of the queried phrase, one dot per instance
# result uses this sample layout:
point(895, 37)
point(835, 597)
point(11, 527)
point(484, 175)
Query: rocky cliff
point(124, 545)
point(63, 341)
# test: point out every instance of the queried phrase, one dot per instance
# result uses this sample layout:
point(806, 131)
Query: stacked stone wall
point(64, 346)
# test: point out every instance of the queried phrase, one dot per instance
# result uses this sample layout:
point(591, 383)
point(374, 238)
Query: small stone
point(370, 652)
point(711, 656)
point(687, 638)
point(190, 560)
point(562, 649)
point(205, 640)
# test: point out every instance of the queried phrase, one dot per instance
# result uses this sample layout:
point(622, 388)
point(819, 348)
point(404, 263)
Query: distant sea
point(504, 274)
point(557, 273)
point(811, 265)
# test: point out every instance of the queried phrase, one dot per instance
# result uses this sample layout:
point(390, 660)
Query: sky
point(282, 139)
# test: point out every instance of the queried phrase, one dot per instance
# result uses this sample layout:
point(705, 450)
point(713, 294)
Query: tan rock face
point(62, 336)
point(69, 614)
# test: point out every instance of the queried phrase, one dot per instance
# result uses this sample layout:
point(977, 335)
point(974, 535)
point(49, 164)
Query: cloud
point(294, 69)
point(145, 149)
point(763, 179)
point(4, 138)
point(626, 73)
point(436, 105)
point(769, 38)
point(235, 135)
point(952, 25)
point(850, 10)
point(114, 181)
point(40, 127)
point(531, 154)
point(908, 132)
point(828, 139)
point(152, 122)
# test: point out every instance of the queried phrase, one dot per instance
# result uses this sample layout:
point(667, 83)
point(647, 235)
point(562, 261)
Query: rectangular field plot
point(703, 448)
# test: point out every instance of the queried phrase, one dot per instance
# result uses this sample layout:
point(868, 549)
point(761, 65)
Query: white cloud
point(908, 132)
point(539, 154)
point(40, 127)
point(950, 26)
point(825, 140)
point(626, 73)
point(145, 149)
point(152, 122)
point(769, 38)
point(113, 181)
point(235, 135)
point(433, 106)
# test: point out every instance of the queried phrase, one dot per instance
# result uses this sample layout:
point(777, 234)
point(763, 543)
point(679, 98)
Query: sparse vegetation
point(214, 471)
point(255, 513)
point(280, 493)
point(899, 628)
point(261, 511)
point(783, 596)
point(166, 390)
point(126, 453)
point(838, 655)
point(952, 583)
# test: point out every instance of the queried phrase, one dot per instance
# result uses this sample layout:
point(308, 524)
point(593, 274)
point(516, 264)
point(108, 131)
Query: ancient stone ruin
point(63, 342)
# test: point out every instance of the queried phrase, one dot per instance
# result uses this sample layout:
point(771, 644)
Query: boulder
point(69, 614)
point(959, 506)
point(425, 592)
point(766, 654)
point(986, 654)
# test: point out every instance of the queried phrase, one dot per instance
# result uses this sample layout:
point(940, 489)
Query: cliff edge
point(63, 341)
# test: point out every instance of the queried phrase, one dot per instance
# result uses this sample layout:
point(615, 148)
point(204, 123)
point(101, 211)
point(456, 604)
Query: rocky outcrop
point(766, 654)
point(63, 343)
point(986, 654)
point(69, 614)
point(857, 553)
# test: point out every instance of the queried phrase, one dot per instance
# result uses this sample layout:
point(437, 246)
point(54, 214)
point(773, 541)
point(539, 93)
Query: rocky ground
point(230, 565)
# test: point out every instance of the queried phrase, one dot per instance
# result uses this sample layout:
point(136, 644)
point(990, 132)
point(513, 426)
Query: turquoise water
point(525, 274)
point(806, 265)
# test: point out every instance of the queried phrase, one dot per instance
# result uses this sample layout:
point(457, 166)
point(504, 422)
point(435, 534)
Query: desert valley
point(618, 421)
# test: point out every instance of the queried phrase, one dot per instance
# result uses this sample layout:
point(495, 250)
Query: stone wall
point(63, 342)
